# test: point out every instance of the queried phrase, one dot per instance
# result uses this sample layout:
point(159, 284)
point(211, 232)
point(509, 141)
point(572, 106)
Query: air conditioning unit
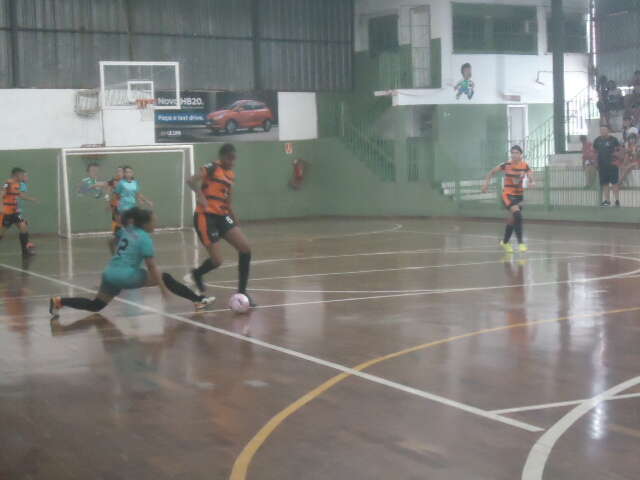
point(512, 97)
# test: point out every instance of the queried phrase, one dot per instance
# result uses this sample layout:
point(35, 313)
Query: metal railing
point(556, 187)
point(374, 152)
point(540, 144)
point(579, 110)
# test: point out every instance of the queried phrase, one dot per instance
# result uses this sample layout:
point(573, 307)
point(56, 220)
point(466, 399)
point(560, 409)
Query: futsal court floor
point(382, 349)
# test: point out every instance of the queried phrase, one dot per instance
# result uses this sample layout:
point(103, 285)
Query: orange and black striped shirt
point(115, 198)
point(216, 187)
point(514, 176)
point(10, 197)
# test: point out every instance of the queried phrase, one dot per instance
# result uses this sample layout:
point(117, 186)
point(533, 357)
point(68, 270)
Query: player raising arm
point(515, 172)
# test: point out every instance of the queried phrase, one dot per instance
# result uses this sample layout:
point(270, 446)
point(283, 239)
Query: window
point(383, 34)
point(575, 34)
point(480, 28)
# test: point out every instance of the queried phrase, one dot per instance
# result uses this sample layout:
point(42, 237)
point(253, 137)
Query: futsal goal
point(161, 171)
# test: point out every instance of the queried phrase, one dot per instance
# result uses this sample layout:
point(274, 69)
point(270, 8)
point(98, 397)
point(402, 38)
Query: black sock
point(244, 261)
point(206, 267)
point(179, 289)
point(80, 303)
point(508, 231)
point(518, 225)
point(24, 239)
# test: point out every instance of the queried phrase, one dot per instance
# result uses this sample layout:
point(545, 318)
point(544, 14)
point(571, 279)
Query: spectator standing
point(628, 128)
point(603, 98)
point(632, 100)
point(615, 98)
point(605, 146)
point(588, 161)
point(632, 158)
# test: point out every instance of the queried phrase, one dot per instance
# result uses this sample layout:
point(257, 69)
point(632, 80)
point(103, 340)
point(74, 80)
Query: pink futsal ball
point(239, 303)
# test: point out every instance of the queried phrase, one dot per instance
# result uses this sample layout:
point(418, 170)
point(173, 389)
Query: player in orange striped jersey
point(214, 219)
point(515, 173)
point(11, 192)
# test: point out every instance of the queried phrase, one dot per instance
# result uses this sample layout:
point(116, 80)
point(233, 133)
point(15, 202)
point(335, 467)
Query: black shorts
point(510, 200)
point(211, 228)
point(6, 220)
point(116, 224)
point(609, 174)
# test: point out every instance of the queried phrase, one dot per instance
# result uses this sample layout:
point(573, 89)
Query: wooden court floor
point(382, 349)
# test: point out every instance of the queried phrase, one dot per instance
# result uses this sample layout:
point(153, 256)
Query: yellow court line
point(241, 465)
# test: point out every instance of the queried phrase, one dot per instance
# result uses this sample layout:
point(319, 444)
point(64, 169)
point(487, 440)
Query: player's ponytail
point(137, 217)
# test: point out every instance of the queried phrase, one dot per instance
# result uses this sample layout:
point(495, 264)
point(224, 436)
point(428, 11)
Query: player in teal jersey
point(124, 271)
point(128, 190)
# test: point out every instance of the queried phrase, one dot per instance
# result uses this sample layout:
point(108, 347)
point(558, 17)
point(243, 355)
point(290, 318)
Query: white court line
point(545, 406)
point(420, 267)
point(444, 291)
point(371, 254)
point(326, 257)
point(529, 240)
point(302, 356)
point(401, 269)
point(396, 227)
point(8, 299)
point(632, 274)
point(539, 453)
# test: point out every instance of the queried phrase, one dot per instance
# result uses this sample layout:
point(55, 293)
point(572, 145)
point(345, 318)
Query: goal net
point(161, 171)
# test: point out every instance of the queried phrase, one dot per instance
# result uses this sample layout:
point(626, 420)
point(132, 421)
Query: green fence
point(555, 188)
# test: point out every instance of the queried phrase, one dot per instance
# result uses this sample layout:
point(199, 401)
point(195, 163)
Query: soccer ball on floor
point(239, 303)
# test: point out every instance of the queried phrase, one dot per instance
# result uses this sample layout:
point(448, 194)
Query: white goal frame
point(64, 201)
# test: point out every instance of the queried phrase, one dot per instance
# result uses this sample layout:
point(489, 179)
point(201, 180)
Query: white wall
point(35, 118)
point(494, 75)
point(126, 128)
point(45, 118)
point(297, 116)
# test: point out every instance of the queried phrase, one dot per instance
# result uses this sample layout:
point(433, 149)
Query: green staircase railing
point(375, 153)
point(540, 143)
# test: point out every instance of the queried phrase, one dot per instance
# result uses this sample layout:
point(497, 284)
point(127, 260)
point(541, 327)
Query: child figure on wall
point(466, 85)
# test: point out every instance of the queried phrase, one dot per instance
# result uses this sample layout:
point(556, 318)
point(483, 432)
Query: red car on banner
point(241, 115)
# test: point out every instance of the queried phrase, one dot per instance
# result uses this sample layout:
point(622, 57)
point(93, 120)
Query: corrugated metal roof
point(66, 60)
point(87, 15)
point(204, 63)
point(307, 43)
point(193, 17)
point(5, 60)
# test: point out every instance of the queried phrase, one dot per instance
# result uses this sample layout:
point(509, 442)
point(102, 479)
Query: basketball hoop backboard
point(122, 84)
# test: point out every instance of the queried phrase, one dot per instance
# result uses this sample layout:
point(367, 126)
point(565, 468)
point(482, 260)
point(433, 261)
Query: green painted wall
point(538, 114)
point(42, 169)
point(263, 171)
point(469, 139)
point(338, 184)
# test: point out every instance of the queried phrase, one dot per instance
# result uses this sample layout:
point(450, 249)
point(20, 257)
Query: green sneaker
point(507, 247)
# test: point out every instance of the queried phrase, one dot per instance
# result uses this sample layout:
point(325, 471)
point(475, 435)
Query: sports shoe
point(252, 304)
point(193, 279)
point(204, 303)
point(29, 249)
point(522, 248)
point(617, 204)
point(605, 204)
point(507, 247)
point(55, 304)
